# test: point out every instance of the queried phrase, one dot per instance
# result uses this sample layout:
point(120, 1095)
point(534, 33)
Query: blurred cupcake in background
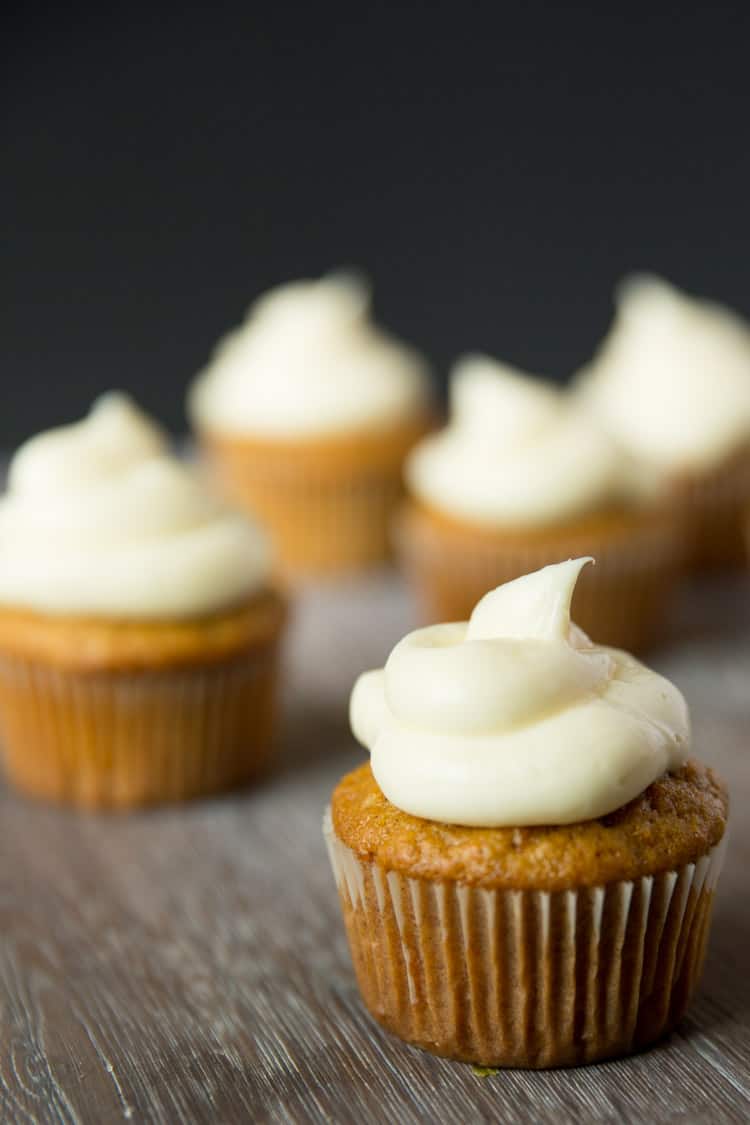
point(671, 382)
point(138, 628)
point(519, 478)
point(306, 413)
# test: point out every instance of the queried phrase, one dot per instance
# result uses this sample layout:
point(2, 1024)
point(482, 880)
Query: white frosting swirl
point(309, 361)
point(517, 452)
point(671, 381)
point(99, 519)
point(515, 718)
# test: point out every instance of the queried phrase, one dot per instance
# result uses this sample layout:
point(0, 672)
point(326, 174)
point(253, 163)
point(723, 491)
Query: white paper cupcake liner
point(525, 978)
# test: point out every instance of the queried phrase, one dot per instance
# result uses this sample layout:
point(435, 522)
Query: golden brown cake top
point(674, 822)
point(371, 448)
point(613, 523)
point(94, 644)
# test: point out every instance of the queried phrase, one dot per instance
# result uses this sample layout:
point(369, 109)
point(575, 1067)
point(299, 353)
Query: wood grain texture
point(189, 964)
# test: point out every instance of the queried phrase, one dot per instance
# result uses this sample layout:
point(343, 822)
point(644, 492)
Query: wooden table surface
point(189, 964)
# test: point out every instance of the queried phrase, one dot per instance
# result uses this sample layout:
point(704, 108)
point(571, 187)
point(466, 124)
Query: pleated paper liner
point(714, 509)
point(328, 502)
point(525, 978)
point(123, 738)
point(623, 600)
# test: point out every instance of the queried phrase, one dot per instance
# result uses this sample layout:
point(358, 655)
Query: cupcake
point(671, 382)
point(306, 413)
point(522, 477)
point(527, 867)
point(138, 627)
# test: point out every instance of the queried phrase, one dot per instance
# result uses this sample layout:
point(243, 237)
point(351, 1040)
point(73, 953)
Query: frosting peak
point(339, 303)
point(671, 380)
point(114, 436)
point(536, 606)
point(99, 518)
point(518, 452)
point(515, 717)
point(495, 400)
point(309, 360)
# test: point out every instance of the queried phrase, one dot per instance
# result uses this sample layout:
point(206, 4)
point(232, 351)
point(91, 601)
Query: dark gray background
point(494, 167)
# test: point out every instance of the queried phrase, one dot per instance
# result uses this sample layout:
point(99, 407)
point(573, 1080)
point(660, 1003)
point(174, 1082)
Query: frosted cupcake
point(671, 382)
point(138, 627)
point(522, 477)
point(306, 413)
point(527, 868)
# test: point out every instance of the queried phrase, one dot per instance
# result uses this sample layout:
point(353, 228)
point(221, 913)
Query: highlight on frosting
point(518, 452)
point(515, 717)
point(99, 518)
point(309, 360)
point(671, 380)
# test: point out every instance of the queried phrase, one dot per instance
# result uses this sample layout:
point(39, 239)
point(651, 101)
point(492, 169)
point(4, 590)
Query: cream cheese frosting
point(671, 380)
point(518, 452)
point(515, 718)
point(100, 519)
point(309, 361)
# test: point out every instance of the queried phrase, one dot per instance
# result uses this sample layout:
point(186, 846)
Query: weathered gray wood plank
point(189, 964)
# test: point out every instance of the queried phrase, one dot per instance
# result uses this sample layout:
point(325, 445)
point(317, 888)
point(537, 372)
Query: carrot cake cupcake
point(522, 477)
point(671, 382)
point(527, 867)
point(138, 626)
point(306, 412)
